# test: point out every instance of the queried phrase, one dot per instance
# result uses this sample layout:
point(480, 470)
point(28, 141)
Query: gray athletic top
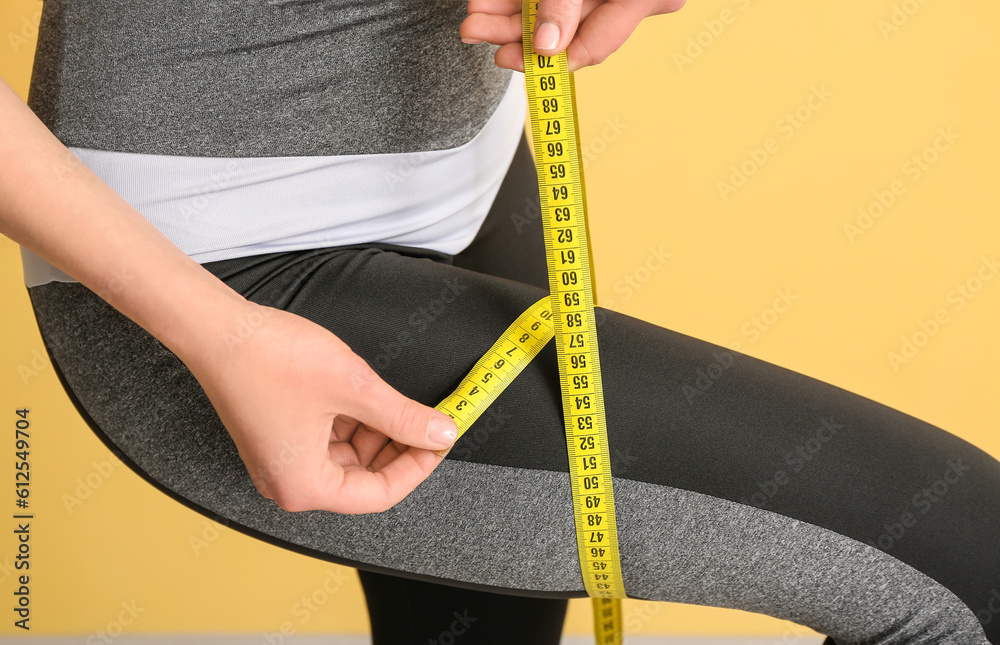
point(257, 126)
point(253, 78)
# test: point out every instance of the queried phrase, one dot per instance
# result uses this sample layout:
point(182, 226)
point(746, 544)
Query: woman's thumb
point(381, 407)
point(555, 25)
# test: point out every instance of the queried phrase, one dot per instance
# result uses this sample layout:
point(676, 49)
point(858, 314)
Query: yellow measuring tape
point(567, 314)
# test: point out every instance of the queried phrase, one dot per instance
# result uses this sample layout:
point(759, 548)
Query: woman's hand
point(589, 30)
point(315, 425)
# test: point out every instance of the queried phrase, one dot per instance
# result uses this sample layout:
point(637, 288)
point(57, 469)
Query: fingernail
point(471, 41)
point(441, 431)
point(546, 35)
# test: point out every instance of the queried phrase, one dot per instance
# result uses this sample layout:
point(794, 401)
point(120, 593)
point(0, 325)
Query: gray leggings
point(738, 483)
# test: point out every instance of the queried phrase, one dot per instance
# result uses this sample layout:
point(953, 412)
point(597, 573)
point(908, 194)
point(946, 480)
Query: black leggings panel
point(403, 610)
point(738, 483)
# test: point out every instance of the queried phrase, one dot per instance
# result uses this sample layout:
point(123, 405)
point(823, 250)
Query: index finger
point(604, 31)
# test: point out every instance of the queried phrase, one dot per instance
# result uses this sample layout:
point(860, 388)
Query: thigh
point(762, 489)
point(738, 483)
point(509, 244)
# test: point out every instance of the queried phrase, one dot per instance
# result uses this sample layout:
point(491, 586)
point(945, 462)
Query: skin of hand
point(589, 30)
point(314, 424)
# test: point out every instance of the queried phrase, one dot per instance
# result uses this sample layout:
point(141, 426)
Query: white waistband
point(216, 208)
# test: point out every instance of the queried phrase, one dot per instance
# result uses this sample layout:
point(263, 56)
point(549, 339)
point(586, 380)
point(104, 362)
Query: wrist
point(206, 321)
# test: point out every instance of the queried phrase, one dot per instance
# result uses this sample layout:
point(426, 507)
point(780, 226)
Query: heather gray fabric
point(256, 78)
point(498, 526)
point(488, 525)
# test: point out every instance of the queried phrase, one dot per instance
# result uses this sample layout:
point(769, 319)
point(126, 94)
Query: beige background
point(887, 76)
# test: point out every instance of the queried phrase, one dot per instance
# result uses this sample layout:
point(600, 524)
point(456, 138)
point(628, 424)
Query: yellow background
point(653, 181)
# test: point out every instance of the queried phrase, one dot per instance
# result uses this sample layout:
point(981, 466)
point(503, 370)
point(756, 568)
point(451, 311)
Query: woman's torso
point(246, 127)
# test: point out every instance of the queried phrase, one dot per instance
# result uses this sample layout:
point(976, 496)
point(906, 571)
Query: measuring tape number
point(566, 314)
